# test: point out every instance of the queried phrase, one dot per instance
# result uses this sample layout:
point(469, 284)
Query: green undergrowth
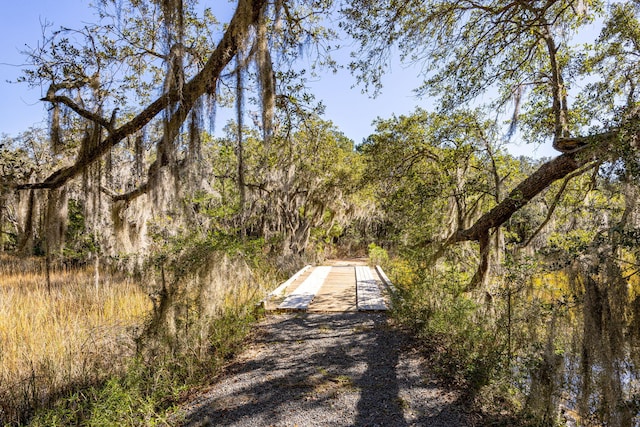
point(495, 344)
point(377, 255)
point(205, 288)
point(153, 384)
point(466, 347)
point(463, 345)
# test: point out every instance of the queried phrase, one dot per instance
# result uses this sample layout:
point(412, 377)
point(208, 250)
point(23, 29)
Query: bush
point(462, 344)
point(377, 255)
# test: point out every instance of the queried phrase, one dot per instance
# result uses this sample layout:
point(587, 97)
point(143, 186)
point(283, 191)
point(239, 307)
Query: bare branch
point(54, 99)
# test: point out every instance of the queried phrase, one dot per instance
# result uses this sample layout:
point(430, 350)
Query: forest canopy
point(102, 80)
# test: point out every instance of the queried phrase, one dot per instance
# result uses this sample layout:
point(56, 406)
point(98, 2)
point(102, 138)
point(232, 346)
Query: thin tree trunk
point(239, 138)
point(96, 272)
point(25, 247)
point(509, 320)
point(47, 267)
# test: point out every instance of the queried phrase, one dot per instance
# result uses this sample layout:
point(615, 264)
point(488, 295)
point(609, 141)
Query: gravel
point(346, 369)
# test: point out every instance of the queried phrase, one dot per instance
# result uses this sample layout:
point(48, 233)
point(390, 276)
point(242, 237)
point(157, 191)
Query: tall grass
point(76, 354)
point(55, 340)
point(203, 308)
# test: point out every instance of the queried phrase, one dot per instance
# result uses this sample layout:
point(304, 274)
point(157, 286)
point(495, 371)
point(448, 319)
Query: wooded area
point(520, 276)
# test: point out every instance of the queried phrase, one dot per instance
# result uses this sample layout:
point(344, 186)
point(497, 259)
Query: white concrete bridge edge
point(280, 289)
point(368, 294)
point(385, 279)
point(306, 292)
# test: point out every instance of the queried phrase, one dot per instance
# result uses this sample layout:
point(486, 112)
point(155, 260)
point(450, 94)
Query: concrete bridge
point(340, 286)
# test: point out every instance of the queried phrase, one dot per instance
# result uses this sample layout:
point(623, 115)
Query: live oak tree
point(140, 88)
point(520, 54)
point(100, 82)
point(132, 102)
point(521, 50)
point(436, 173)
point(298, 188)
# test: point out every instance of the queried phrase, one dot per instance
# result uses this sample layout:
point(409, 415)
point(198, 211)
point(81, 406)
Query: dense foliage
point(550, 331)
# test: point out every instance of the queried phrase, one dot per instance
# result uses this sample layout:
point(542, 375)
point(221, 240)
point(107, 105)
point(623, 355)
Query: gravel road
point(346, 369)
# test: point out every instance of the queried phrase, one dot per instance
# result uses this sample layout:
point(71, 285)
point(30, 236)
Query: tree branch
point(78, 109)
point(127, 197)
point(557, 197)
point(245, 16)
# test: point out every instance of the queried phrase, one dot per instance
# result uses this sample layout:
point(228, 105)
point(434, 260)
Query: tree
point(99, 82)
point(514, 48)
point(24, 158)
point(437, 173)
point(301, 184)
point(100, 78)
point(583, 299)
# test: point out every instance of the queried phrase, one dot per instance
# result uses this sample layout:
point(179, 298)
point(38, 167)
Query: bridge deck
point(338, 292)
point(337, 288)
point(368, 290)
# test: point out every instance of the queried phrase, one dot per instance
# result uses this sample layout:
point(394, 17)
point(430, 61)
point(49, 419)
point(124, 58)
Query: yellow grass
point(75, 334)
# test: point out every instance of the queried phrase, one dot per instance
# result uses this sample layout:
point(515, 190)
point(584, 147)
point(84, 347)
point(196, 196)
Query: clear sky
point(20, 26)
point(352, 111)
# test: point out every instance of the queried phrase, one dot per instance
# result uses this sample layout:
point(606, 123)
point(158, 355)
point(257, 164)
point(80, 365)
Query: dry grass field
point(71, 334)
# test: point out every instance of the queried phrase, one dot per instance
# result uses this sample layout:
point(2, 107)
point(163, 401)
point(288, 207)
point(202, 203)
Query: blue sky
point(352, 111)
point(20, 26)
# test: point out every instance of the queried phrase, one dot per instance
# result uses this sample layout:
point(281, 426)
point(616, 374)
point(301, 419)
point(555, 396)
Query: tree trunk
point(25, 244)
point(2, 209)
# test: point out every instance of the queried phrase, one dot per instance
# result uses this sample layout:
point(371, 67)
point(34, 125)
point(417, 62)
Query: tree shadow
point(314, 370)
point(380, 402)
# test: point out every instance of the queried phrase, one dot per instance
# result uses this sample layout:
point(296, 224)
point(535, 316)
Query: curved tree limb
point(60, 99)
point(245, 17)
point(566, 165)
point(126, 197)
point(548, 173)
point(557, 198)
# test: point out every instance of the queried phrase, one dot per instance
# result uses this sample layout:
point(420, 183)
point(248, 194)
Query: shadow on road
point(344, 369)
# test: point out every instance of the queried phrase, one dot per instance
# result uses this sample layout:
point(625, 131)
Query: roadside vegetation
point(89, 354)
point(548, 334)
point(71, 335)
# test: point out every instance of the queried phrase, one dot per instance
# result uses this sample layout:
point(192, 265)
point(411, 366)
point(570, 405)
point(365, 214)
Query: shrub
point(378, 255)
point(461, 342)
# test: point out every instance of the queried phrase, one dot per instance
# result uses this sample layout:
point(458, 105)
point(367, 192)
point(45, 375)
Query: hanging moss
point(195, 133)
point(56, 220)
point(266, 80)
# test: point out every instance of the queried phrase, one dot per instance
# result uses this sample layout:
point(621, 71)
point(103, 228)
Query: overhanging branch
point(557, 197)
point(548, 173)
point(246, 15)
point(54, 99)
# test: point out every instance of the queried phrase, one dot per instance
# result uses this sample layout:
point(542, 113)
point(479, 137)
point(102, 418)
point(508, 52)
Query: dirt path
point(342, 369)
